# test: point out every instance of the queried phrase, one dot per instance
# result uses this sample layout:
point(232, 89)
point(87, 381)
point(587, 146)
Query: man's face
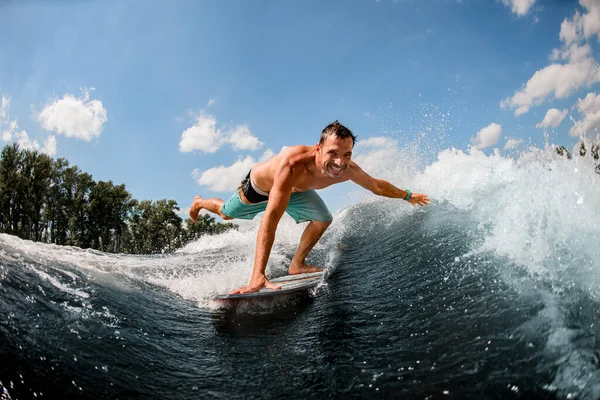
point(334, 156)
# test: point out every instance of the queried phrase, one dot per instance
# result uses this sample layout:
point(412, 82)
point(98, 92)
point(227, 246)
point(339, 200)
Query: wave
point(518, 233)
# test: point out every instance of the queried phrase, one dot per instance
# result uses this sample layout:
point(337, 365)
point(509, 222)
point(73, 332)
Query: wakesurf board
point(289, 284)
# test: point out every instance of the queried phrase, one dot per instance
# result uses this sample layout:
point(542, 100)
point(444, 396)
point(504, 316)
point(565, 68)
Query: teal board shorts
point(303, 207)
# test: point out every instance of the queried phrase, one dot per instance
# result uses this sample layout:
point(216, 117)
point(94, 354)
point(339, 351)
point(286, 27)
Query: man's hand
point(417, 199)
point(256, 283)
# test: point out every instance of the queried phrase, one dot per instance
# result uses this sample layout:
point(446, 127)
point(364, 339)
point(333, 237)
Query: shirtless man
point(287, 182)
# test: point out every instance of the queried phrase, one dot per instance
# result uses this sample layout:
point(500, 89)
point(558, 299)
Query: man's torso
point(304, 170)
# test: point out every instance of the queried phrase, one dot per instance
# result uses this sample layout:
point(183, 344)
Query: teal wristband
point(407, 198)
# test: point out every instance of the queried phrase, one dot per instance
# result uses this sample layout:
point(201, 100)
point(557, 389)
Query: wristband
point(407, 198)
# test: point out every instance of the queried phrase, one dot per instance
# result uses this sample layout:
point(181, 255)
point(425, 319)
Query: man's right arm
point(279, 197)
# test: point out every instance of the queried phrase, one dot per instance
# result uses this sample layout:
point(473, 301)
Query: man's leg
point(213, 205)
point(309, 239)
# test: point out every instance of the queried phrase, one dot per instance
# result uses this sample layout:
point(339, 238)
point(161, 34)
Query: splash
point(539, 210)
point(540, 213)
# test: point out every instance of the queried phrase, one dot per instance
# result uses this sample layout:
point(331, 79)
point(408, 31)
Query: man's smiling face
point(334, 156)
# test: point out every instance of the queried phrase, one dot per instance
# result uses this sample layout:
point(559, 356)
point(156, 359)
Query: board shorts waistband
point(251, 192)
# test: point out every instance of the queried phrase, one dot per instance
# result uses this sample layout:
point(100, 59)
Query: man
point(287, 182)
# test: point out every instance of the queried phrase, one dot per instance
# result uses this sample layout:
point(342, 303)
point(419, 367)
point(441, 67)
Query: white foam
point(57, 284)
point(232, 264)
point(540, 210)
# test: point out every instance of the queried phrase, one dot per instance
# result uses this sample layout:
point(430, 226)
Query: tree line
point(593, 152)
point(50, 201)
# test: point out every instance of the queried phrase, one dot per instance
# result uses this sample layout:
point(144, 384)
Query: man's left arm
point(384, 188)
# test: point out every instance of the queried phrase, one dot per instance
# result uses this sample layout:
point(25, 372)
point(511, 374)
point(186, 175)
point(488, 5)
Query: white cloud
point(377, 141)
point(589, 108)
point(77, 117)
point(204, 135)
point(519, 7)
point(4, 106)
point(568, 29)
point(582, 26)
point(580, 69)
point(589, 104)
point(8, 128)
point(591, 19)
point(512, 143)
point(22, 139)
point(266, 155)
point(227, 178)
point(557, 80)
point(377, 155)
point(555, 55)
point(242, 139)
point(487, 136)
point(211, 101)
point(50, 146)
point(25, 143)
point(554, 117)
point(9, 131)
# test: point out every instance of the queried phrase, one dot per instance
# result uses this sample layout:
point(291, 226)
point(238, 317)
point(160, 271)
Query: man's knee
point(225, 216)
point(222, 215)
point(322, 224)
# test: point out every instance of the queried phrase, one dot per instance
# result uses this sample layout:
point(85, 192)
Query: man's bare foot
point(195, 208)
point(303, 269)
point(255, 285)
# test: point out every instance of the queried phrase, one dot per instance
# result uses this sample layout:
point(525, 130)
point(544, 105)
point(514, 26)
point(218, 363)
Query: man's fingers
point(419, 199)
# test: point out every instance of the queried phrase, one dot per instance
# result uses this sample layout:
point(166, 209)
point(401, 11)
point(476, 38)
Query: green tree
point(119, 211)
point(11, 163)
point(562, 150)
point(59, 201)
point(48, 200)
point(205, 225)
point(133, 235)
point(79, 218)
point(109, 205)
point(36, 179)
point(593, 153)
point(162, 226)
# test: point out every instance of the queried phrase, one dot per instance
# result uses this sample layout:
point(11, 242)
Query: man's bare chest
point(314, 183)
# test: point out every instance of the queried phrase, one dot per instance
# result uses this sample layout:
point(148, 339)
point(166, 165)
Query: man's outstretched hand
point(255, 284)
point(417, 199)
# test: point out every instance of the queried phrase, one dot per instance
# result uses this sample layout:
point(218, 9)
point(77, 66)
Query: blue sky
point(179, 98)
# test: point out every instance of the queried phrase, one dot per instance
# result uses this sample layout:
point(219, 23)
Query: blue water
point(491, 292)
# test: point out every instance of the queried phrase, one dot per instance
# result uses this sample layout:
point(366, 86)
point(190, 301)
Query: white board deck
point(289, 284)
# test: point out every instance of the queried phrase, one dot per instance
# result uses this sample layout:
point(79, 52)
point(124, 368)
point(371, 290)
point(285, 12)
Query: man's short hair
point(339, 130)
